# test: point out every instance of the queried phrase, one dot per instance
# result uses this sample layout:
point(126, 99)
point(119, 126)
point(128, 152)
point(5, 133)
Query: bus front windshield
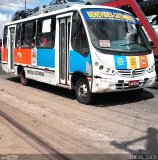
point(111, 30)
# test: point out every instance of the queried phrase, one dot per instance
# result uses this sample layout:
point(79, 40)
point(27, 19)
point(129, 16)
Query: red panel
point(22, 56)
point(117, 3)
point(146, 25)
point(5, 54)
point(140, 15)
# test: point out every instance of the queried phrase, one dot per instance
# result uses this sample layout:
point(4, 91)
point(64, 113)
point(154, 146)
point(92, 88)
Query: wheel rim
point(82, 90)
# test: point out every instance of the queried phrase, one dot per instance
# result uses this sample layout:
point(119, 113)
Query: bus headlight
point(151, 68)
point(105, 70)
point(110, 71)
point(96, 63)
point(101, 67)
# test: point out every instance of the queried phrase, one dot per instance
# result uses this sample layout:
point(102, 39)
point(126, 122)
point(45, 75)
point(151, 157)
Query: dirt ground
point(40, 119)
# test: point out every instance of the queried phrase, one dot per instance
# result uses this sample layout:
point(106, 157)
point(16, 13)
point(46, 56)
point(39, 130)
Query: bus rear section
point(91, 49)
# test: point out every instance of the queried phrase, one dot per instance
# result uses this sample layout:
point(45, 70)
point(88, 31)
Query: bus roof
point(72, 8)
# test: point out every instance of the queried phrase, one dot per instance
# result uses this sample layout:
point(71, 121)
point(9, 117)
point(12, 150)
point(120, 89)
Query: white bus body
point(92, 49)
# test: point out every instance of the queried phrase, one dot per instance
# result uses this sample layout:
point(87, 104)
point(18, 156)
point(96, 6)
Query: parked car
point(59, 4)
point(21, 14)
point(97, 2)
point(38, 10)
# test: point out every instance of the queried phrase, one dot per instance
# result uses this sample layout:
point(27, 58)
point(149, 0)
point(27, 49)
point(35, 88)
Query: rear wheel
point(83, 92)
point(23, 79)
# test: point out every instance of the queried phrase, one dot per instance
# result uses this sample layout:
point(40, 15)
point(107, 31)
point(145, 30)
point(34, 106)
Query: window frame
point(5, 37)
point(85, 54)
point(16, 39)
point(24, 35)
point(51, 39)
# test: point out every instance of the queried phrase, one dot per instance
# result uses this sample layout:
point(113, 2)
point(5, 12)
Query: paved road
point(42, 119)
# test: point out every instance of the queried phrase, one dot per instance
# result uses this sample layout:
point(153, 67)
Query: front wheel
point(83, 92)
point(23, 79)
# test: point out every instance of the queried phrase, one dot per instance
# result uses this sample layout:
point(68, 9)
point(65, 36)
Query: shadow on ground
point(151, 146)
point(100, 100)
point(47, 88)
point(120, 98)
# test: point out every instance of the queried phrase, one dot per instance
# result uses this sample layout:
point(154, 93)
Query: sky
point(9, 7)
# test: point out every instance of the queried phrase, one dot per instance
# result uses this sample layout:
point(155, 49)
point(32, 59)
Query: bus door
point(11, 46)
point(64, 41)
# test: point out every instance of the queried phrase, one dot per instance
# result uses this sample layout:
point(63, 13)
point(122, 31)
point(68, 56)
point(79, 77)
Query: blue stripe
point(46, 57)
point(120, 62)
point(77, 62)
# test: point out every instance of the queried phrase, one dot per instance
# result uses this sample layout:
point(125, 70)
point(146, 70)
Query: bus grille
point(125, 85)
point(130, 72)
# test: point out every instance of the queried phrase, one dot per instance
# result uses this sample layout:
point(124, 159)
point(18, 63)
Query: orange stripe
point(5, 54)
point(143, 61)
point(22, 56)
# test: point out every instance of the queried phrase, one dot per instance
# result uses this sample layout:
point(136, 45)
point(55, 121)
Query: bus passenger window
point(44, 41)
point(5, 37)
point(28, 34)
point(45, 33)
point(33, 42)
point(18, 36)
point(79, 38)
point(53, 31)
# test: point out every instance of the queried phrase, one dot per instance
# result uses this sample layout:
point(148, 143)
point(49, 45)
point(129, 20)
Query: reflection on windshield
point(109, 32)
point(118, 35)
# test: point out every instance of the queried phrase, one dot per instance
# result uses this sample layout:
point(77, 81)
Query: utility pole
point(25, 5)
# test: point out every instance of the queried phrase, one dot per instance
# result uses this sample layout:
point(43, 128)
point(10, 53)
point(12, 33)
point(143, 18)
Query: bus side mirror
point(152, 44)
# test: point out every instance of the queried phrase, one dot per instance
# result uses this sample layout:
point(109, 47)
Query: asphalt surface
point(47, 121)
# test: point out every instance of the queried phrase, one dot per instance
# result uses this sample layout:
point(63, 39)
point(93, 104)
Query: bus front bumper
point(101, 85)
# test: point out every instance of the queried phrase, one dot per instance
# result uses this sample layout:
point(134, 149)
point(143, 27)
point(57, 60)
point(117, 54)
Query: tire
point(20, 17)
point(23, 79)
point(83, 92)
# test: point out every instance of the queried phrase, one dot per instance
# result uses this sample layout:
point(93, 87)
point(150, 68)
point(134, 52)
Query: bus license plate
point(133, 83)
